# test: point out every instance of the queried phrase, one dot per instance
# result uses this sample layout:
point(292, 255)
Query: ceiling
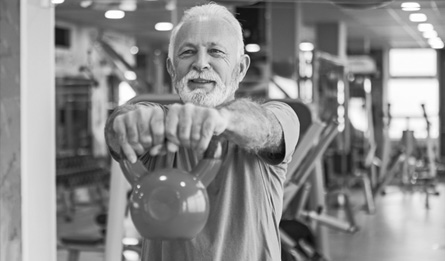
point(385, 27)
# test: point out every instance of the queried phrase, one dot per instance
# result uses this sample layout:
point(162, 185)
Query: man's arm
point(254, 128)
point(134, 129)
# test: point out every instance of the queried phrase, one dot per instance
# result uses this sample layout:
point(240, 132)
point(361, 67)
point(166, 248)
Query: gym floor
point(401, 229)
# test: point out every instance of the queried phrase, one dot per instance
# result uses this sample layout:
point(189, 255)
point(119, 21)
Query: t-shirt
point(245, 202)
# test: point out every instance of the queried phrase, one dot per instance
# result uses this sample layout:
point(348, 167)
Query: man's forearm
point(252, 127)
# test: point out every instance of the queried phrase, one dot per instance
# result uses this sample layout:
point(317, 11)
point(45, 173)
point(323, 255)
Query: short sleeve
point(290, 124)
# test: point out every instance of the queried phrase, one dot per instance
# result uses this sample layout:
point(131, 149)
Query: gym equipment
point(171, 203)
point(364, 167)
point(81, 171)
point(415, 171)
point(386, 149)
point(299, 179)
point(302, 225)
point(300, 231)
point(122, 66)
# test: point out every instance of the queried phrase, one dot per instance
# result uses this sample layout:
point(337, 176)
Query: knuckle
point(212, 113)
point(146, 141)
point(170, 134)
point(183, 136)
point(175, 107)
point(121, 138)
point(189, 106)
point(132, 136)
point(207, 128)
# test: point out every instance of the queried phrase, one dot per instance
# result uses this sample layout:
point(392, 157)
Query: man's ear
point(243, 66)
point(170, 68)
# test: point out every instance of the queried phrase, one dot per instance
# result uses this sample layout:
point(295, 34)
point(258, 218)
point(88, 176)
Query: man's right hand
point(140, 130)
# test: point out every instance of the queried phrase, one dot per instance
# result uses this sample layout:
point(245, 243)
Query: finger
point(195, 135)
point(171, 123)
point(133, 133)
point(172, 147)
point(185, 124)
point(143, 126)
point(129, 152)
point(158, 150)
point(120, 130)
point(157, 127)
point(207, 130)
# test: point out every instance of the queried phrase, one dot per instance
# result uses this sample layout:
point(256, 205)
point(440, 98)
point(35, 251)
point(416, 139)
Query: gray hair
point(210, 10)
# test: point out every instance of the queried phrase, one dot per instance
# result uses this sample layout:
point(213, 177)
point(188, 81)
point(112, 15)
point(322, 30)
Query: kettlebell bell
point(171, 203)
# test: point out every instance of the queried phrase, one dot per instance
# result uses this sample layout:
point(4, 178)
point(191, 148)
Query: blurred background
point(374, 67)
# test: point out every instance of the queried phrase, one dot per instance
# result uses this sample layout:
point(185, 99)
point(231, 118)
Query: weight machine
point(304, 222)
point(416, 171)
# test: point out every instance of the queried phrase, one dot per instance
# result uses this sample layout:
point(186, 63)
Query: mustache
point(207, 75)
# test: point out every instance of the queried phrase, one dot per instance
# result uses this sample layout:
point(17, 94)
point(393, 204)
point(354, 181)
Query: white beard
point(218, 95)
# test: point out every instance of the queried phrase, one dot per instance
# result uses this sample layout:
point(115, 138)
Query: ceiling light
point(134, 50)
point(306, 47)
point(430, 34)
point(130, 241)
point(86, 3)
point(435, 40)
point(128, 6)
point(163, 26)
point(130, 75)
point(114, 14)
point(57, 2)
point(131, 255)
point(253, 48)
point(417, 17)
point(410, 6)
point(438, 45)
point(423, 27)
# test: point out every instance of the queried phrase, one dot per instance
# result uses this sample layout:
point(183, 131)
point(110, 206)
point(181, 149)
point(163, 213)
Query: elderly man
point(206, 62)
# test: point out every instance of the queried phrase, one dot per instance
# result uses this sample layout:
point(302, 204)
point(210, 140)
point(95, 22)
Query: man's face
point(207, 67)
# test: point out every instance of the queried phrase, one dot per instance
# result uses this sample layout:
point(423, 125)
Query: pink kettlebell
point(171, 203)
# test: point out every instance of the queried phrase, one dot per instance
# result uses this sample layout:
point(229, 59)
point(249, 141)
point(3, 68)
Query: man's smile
point(200, 83)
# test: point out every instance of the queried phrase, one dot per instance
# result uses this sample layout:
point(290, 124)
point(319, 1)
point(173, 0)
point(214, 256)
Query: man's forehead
point(205, 28)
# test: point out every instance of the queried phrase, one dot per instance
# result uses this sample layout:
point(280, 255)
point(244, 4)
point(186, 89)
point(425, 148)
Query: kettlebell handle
point(205, 170)
point(209, 166)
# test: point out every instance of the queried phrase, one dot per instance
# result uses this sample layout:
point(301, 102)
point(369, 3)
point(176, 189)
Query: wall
point(10, 180)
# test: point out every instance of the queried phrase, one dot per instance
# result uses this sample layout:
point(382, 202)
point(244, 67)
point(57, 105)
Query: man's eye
point(216, 51)
point(186, 52)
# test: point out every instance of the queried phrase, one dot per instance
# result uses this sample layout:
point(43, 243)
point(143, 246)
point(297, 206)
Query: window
point(413, 82)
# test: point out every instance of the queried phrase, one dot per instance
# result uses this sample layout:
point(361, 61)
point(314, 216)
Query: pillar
point(10, 181)
point(284, 21)
point(332, 38)
point(441, 78)
point(27, 131)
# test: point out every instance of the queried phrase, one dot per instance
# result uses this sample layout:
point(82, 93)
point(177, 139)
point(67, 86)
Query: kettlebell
point(171, 203)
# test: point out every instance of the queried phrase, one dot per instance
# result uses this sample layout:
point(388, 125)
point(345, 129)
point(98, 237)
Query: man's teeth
point(201, 81)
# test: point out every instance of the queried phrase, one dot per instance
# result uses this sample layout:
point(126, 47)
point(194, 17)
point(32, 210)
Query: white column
point(38, 130)
point(116, 214)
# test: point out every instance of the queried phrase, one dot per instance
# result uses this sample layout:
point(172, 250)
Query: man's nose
point(202, 62)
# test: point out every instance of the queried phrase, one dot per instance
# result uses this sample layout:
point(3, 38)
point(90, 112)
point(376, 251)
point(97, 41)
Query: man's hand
point(139, 130)
point(192, 126)
point(148, 128)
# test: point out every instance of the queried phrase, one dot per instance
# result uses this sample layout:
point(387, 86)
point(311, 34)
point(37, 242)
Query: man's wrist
point(227, 115)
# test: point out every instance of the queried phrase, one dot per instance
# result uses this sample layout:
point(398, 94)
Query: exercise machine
point(305, 220)
point(415, 168)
